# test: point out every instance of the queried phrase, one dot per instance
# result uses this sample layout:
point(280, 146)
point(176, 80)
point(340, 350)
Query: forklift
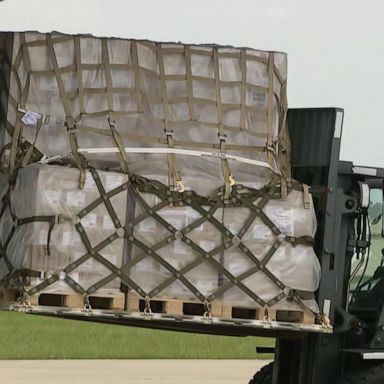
point(349, 243)
point(350, 246)
point(348, 348)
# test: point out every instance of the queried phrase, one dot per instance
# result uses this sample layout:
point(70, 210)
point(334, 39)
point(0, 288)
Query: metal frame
point(322, 359)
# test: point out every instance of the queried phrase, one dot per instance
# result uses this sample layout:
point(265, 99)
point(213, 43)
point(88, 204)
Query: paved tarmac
point(128, 371)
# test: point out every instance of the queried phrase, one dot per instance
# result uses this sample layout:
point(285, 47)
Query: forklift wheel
point(371, 375)
point(264, 376)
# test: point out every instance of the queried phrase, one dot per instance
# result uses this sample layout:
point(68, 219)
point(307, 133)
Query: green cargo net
point(206, 208)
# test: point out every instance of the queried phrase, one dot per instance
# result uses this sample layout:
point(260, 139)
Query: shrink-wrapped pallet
point(143, 94)
point(279, 240)
point(200, 130)
point(42, 224)
point(149, 274)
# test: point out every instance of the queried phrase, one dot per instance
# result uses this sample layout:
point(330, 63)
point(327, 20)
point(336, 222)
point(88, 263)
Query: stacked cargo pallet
point(151, 177)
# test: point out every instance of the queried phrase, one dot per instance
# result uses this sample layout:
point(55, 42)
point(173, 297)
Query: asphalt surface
point(128, 371)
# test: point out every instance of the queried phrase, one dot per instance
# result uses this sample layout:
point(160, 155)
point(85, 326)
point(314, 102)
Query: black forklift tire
point(370, 375)
point(264, 376)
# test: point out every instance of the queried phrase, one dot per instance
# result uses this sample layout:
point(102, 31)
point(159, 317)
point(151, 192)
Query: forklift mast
point(341, 196)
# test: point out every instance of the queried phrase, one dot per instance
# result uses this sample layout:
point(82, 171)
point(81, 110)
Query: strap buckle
point(87, 308)
point(21, 109)
point(112, 123)
point(61, 218)
point(70, 124)
point(207, 314)
point(222, 136)
point(147, 310)
point(168, 132)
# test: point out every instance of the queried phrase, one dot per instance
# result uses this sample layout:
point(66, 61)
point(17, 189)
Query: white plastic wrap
point(195, 92)
point(296, 267)
point(43, 190)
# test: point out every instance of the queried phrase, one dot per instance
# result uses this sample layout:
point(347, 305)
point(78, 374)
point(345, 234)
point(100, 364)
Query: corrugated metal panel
point(312, 131)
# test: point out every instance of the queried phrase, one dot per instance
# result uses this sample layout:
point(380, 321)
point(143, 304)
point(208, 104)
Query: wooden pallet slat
point(179, 307)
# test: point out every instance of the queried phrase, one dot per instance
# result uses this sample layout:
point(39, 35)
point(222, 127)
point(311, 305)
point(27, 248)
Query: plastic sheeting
point(53, 190)
point(197, 94)
point(143, 94)
point(296, 266)
point(45, 190)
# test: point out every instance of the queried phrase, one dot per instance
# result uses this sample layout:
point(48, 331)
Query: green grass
point(24, 336)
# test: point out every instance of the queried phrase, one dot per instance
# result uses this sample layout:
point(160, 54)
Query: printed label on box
point(89, 220)
point(283, 219)
point(30, 118)
point(75, 199)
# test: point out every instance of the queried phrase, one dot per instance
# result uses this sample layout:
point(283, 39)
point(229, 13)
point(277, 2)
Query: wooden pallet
point(106, 299)
point(281, 315)
point(7, 296)
point(177, 307)
point(172, 306)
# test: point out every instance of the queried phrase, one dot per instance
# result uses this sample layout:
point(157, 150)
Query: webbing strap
point(227, 174)
point(112, 123)
point(136, 74)
point(70, 123)
point(52, 220)
point(119, 144)
point(28, 154)
point(175, 180)
point(3, 255)
point(207, 256)
point(243, 72)
point(240, 245)
point(104, 196)
point(188, 67)
point(79, 74)
point(17, 132)
point(271, 76)
point(242, 195)
point(149, 251)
